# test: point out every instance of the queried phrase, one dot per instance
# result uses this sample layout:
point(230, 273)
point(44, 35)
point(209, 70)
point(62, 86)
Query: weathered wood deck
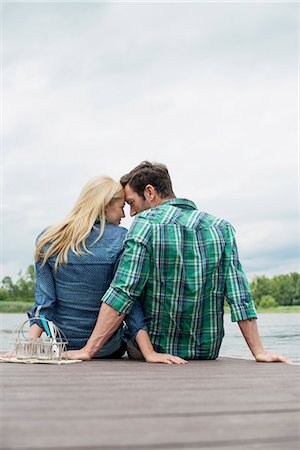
point(228, 403)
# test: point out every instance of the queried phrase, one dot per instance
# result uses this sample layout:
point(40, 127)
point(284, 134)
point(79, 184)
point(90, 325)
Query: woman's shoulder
point(111, 232)
point(112, 229)
point(115, 232)
point(117, 228)
point(109, 245)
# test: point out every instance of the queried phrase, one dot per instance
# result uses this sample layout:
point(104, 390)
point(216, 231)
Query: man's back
point(180, 263)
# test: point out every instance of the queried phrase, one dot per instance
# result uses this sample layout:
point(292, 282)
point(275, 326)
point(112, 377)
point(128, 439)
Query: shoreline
point(22, 307)
point(277, 309)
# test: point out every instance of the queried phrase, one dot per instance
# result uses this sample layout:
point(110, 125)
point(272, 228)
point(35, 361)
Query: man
point(180, 263)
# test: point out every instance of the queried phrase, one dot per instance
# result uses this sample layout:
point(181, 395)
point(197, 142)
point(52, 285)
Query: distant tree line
point(280, 290)
point(20, 291)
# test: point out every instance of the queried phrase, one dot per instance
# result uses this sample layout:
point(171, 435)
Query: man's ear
point(149, 192)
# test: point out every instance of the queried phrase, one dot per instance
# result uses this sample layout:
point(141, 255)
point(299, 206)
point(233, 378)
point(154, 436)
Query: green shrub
point(15, 307)
point(267, 301)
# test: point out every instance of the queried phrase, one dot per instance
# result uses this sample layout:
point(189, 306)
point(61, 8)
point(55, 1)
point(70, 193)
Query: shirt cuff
point(118, 300)
point(132, 329)
point(36, 321)
point(242, 311)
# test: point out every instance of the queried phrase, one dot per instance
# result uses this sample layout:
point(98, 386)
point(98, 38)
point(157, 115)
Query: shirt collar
point(182, 203)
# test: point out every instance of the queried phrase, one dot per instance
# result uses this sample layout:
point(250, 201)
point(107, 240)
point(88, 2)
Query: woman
point(75, 264)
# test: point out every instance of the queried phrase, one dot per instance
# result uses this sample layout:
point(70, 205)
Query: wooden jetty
point(131, 405)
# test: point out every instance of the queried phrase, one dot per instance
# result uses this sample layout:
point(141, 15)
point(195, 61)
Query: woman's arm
point(137, 329)
point(35, 331)
point(150, 355)
point(45, 298)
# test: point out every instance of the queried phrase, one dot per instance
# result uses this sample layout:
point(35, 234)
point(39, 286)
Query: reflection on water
point(280, 333)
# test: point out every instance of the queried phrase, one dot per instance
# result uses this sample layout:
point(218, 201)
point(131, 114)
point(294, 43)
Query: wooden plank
point(133, 405)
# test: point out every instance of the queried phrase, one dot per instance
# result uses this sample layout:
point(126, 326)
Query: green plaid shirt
point(181, 263)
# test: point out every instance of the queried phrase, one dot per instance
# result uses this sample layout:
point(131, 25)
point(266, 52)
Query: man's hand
point(271, 357)
point(250, 332)
point(165, 358)
point(77, 354)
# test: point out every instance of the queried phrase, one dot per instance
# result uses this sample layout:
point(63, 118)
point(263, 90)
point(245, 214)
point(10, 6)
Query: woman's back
point(71, 294)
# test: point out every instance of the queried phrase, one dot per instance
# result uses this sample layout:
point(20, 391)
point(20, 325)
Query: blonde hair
point(72, 233)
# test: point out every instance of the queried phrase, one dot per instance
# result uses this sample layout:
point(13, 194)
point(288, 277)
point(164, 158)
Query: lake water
point(279, 333)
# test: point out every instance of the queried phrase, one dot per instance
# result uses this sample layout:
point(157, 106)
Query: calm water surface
point(279, 333)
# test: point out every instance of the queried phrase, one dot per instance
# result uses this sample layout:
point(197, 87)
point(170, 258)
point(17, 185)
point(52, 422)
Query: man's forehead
point(129, 193)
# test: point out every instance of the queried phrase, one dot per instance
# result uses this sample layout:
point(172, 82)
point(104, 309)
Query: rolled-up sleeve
point(135, 321)
point(237, 288)
point(45, 293)
point(133, 269)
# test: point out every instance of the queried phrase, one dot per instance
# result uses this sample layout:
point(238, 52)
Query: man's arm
point(238, 295)
point(125, 290)
point(107, 323)
point(250, 332)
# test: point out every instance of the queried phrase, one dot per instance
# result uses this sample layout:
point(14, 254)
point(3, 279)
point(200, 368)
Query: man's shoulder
point(184, 213)
point(212, 220)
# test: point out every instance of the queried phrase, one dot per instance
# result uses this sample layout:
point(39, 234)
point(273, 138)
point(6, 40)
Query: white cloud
point(209, 89)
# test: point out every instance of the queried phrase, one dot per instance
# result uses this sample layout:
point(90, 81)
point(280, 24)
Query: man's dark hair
point(149, 173)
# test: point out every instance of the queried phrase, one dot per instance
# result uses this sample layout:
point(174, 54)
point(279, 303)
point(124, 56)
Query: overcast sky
point(209, 89)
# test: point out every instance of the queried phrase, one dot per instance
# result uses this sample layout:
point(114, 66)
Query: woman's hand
point(35, 331)
point(165, 358)
point(150, 355)
point(8, 355)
